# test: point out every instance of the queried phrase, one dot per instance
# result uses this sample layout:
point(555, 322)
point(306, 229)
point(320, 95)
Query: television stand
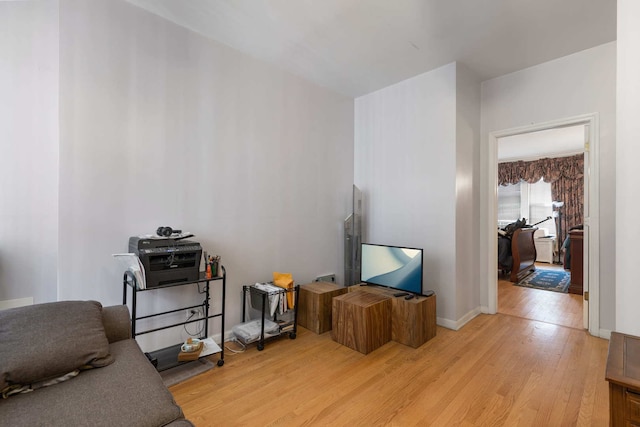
point(413, 321)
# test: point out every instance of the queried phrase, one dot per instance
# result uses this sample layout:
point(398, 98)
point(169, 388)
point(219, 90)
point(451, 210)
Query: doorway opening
point(589, 129)
point(534, 173)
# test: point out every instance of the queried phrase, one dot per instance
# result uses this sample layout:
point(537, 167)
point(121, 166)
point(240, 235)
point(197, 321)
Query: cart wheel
point(220, 362)
point(292, 335)
point(260, 347)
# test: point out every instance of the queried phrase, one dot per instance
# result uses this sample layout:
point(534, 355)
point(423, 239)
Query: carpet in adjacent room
point(548, 280)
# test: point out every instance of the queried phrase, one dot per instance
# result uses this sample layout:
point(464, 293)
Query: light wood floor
point(498, 370)
point(536, 304)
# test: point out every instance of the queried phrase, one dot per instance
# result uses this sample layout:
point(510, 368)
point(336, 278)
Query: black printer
point(166, 260)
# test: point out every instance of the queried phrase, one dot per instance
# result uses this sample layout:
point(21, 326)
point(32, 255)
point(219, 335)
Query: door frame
point(591, 210)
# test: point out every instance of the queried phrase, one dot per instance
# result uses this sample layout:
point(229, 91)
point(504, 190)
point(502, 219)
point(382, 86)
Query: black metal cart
point(167, 357)
point(258, 298)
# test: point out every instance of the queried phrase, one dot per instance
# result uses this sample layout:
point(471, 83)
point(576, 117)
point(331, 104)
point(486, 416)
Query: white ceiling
point(556, 142)
point(358, 46)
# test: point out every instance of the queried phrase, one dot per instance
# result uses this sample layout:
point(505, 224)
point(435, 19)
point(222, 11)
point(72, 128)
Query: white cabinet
point(544, 248)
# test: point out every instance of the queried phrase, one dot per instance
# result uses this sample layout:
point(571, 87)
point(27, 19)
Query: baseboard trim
point(457, 324)
point(604, 333)
point(13, 303)
point(446, 323)
point(468, 317)
point(485, 310)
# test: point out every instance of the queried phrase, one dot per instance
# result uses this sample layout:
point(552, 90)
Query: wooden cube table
point(314, 305)
point(413, 322)
point(361, 320)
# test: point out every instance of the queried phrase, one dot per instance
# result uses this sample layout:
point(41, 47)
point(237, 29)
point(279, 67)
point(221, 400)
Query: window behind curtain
point(523, 200)
point(508, 204)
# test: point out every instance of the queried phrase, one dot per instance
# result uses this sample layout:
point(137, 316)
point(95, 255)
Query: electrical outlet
point(331, 278)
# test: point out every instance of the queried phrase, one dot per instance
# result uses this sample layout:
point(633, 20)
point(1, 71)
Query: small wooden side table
point(623, 374)
point(413, 322)
point(361, 320)
point(314, 305)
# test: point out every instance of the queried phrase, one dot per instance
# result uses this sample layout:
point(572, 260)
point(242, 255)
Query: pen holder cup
point(214, 269)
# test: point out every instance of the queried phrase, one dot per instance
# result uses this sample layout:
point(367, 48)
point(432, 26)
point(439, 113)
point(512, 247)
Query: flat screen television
point(391, 266)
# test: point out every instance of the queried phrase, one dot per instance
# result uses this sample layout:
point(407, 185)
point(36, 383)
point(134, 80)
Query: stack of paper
point(132, 263)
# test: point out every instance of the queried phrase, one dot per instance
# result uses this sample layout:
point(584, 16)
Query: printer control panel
point(167, 249)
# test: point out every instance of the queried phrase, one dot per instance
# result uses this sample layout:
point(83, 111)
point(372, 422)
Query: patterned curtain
point(566, 175)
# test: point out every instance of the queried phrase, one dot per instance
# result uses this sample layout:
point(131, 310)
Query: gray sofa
point(73, 363)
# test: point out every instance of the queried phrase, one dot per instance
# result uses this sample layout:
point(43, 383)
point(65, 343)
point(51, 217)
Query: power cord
point(243, 347)
point(193, 313)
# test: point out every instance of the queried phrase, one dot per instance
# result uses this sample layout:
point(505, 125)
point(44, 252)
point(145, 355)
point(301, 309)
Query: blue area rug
point(548, 280)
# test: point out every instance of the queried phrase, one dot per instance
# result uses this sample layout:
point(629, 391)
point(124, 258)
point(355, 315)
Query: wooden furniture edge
point(523, 251)
point(616, 361)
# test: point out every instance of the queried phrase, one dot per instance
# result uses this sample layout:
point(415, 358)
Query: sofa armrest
point(117, 322)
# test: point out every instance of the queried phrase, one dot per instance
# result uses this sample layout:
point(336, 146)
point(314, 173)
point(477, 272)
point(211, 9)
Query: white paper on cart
point(132, 263)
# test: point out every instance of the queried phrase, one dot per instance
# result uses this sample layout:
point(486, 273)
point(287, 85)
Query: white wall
point(628, 152)
point(577, 84)
point(405, 163)
point(29, 145)
point(160, 126)
point(467, 194)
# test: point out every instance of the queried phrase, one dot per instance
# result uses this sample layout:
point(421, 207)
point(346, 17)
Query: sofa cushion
point(117, 322)
point(45, 341)
point(129, 392)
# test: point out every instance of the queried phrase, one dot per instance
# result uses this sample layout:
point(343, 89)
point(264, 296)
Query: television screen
point(392, 266)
